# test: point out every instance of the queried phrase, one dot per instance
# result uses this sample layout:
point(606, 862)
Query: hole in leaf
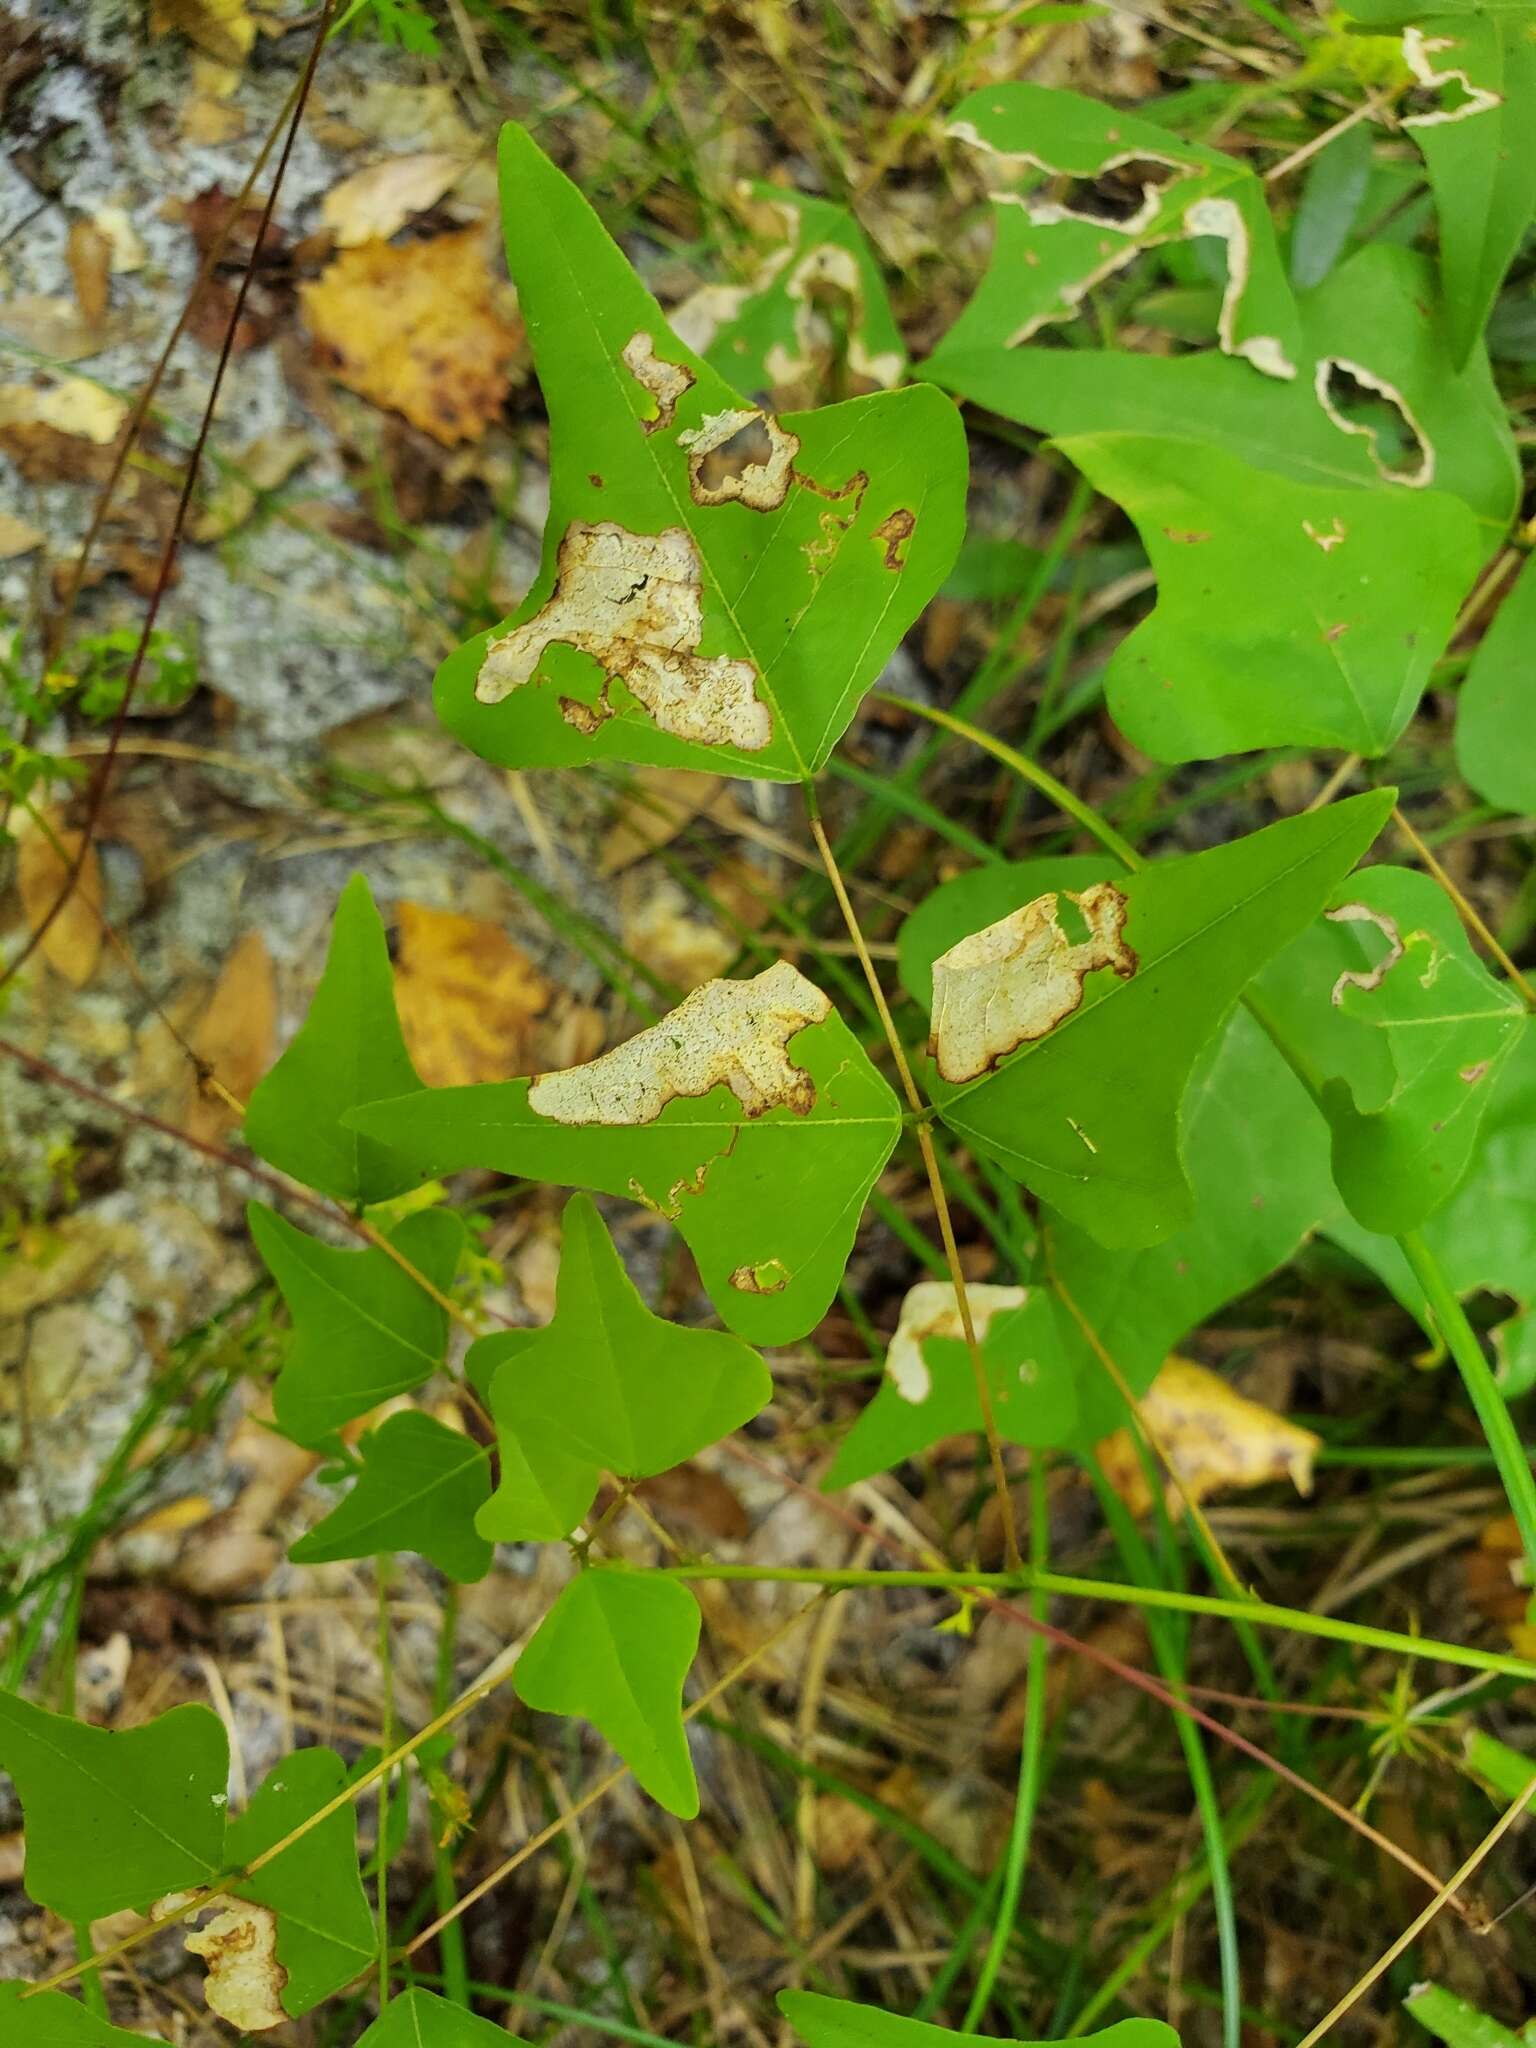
point(750, 447)
point(1357, 403)
point(1118, 193)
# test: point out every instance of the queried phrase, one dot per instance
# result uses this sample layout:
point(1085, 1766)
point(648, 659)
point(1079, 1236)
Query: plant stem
point(444, 1891)
point(1025, 1579)
point(935, 1178)
point(383, 1573)
point(1509, 1453)
point(1031, 1754)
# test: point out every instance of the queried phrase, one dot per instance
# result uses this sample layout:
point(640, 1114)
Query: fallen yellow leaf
point(72, 942)
point(1210, 1436)
point(375, 203)
point(72, 406)
point(236, 1035)
point(418, 330)
point(467, 997)
point(17, 536)
point(220, 27)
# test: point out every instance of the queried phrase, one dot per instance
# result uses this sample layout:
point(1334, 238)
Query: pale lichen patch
point(245, 1981)
point(1015, 981)
point(634, 602)
point(931, 1310)
point(731, 1032)
point(1362, 977)
point(740, 457)
point(665, 382)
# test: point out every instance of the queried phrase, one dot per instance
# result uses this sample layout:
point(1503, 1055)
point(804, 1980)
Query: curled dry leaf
point(376, 202)
point(245, 1980)
point(72, 943)
point(1211, 1438)
point(420, 330)
point(467, 997)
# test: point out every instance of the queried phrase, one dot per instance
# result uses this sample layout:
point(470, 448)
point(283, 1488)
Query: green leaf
point(1479, 149)
point(1387, 1001)
point(718, 587)
point(1508, 1771)
point(325, 1931)
point(52, 2020)
point(608, 1384)
point(1496, 711)
point(348, 1050)
point(418, 2019)
point(774, 332)
point(616, 1648)
point(750, 1117)
point(1064, 1036)
point(1330, 203)
point(1454, 2021)
point(1132, 185)
point(419, 1489)
point(116, 1817)
point(1334, 605)
point(839, 2023)
point(535, 1501)
point(929, 1389)
point(363, 1329)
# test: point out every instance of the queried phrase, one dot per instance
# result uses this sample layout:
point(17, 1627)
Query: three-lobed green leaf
point(50, 2019)
point(420, 2019)
point(825, 2022)
point(420, 1487)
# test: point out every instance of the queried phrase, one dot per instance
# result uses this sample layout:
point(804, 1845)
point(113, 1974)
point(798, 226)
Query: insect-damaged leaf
point(53, 2020)
point(839, 2023)
point(363, 1327)
point(115, 1817)
point(1387, 1002)
point(718, 587)
point(929, 1389)
point(750, 1117)
point(608, 1384)
point(1070, 1027)
point(615, 1648)
point(419, 2019)
point(1477, 60)
point(1081, 189)
point(1496, 710)
point(348, 1050)
point(419, 1489)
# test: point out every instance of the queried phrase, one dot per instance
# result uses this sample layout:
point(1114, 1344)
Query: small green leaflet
point(929, 1389)
point(418, 2019)
point(51, 2020)
point(719, 587)
point(750, 1117)
point(419, 1489)
point(1386, 1000)
point(1332, 195)
point(1064, 1035)
point(839, 2023)
point(773, 334)
point(1133, 184)
point(616, 1648)
point(1458, 2024)
point(363, 1329)
point(608, 1385)
point(1507, 1772)
point(1496, 710)
point(116, 1818)
point(325, 1931)
point(1479, 145)
point(348, 1050)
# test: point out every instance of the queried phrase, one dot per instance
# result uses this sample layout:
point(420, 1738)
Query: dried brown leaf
point(467, 997)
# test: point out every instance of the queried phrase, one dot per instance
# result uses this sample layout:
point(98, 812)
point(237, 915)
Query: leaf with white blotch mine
point(1377, 406)
point(1253, 1145)
point(1282, 617)
point(750, 1117)
point(1385, 999)
point(1064, 1035)
point(1477, 58)
point(52, 2020)
point(419, 2019)
point(1496, 710)
point(116, 1817)
point(363, 1328)
point(839, 2023)
point(772, 335)
point(1129, 185)
point(348, 1050)
point(616, 1649)
point(929, 1389)
point(609, 1384)
point(1484, 1237)
point(419, 1489)
point(719, 587)
point(325, 1931)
